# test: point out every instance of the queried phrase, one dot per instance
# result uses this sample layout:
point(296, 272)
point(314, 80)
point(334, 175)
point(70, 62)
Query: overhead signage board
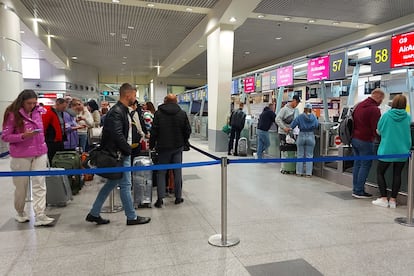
point(402, 50)
point(249, 84)
point(337, 66)
point(258, 87)
point(284, 76)
point(273, 83)
point(318, 68)
point(235, 87)
point(380, 57)
point(266, 81)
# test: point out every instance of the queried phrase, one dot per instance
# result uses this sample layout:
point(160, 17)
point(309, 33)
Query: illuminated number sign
point(318, 68)
point(337, 66)
point(402, 47)
point(380, 57)
point(273, 83)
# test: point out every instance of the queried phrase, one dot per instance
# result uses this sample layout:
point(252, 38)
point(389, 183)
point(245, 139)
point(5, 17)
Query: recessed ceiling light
point(278, 38)
point(232, 19)
point(51, 36)
point(127, 44)
point(200, 46)
point(124, 36)
point(335, 23)
point(287, 18)
point(260, 16)
point(247, 53)
point(22, 32)
point(189, 9)
point(311, 20)
point(37, 20)
point(131, 27)
point(151, 5)
point(124, 57)
point(112, 34)
point(123, 63)
point(116, 1)
point(74, 57)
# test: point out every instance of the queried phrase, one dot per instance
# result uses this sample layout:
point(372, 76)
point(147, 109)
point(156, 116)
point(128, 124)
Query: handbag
point(94, 135)
point(102, 158)
point(226, 129)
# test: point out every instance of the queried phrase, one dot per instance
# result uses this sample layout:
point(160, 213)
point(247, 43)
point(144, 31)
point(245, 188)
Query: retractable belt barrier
point(224, 240)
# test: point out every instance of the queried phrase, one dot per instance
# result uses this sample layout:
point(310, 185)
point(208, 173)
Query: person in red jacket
point(366, 117)
point(54, 127)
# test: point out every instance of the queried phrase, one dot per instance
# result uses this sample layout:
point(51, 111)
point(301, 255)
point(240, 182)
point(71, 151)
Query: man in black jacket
point(170, 132)
point(116, 138)
point(237, 120)
point(266, 120)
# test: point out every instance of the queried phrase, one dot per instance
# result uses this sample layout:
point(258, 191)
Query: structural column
point(11, 79)
point(219, 76)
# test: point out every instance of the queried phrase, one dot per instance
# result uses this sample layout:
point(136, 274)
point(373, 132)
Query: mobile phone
point(37, 130)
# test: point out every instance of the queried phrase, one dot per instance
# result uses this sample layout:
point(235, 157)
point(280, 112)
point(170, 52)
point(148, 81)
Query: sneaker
point(380, 202)
point(22, 217)
point(392, 204)
point(363, 195)
point(43, 220)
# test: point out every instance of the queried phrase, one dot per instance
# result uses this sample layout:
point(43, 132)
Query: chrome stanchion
point(29, 197)
point(223, 240)
point(408, 221)
point(112, 208)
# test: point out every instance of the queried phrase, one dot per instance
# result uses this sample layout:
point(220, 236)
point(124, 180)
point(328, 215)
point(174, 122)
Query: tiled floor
point(277, 218)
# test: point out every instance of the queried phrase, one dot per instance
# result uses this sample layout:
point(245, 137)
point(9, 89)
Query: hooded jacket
point(305, 122)
point(29, 147)
point(366, 116)
point(394, 129)
point(170, 128)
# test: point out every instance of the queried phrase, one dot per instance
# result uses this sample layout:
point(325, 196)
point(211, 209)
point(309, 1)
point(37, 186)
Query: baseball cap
point(297, 98)
point(308, 105)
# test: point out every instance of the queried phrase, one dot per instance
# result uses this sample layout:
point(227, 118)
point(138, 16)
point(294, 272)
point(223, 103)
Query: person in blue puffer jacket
point(394, 129)
point(307, 123)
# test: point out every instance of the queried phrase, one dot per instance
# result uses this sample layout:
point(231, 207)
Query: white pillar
point(219, 75)
point(11, 79)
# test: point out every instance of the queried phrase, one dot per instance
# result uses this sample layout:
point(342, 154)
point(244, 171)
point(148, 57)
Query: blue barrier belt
point(3, 154)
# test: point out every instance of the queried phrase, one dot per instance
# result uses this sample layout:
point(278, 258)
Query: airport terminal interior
point(215, 55)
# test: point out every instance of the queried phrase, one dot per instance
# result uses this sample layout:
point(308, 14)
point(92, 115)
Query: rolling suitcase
point(142, 183)
point(288, 151)
point(58, 191)
point(242, 147)
point(69, 160)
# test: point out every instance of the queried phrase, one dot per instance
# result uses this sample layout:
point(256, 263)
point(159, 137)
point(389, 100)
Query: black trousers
point(52, 148)
point(397, 168)
point(234, 134)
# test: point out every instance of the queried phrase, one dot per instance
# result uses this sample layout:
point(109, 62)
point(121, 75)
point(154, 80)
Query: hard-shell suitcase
point(69, 160)
point(142, 182)
point(288, 151)
point(242, 147)
point(58, 191)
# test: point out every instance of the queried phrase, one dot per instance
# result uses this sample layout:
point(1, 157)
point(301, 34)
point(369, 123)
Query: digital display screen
point(284, 76)
point(318, 68)
point(402, 50)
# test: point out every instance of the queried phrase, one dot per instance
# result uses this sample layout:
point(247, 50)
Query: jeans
point(125, 193)
point(263, 142)
point(305, 144)
point(83, 140)
point(234, 134)
point(361, 167)
point(173, 156)
point(397, 168)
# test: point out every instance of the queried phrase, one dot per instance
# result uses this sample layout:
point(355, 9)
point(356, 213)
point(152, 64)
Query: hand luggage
point(288, 151)
point(58, 191)
point(86, 177)
point(142, 183)
point(69, 160)
point(242, 147)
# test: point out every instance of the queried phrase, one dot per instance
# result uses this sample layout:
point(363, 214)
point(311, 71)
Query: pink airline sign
point(318, 68)
point(284, 76)
point(249, 84)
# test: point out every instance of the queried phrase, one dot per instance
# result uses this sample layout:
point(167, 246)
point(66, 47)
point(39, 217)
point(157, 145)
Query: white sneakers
point(43, 220)
point(384, 203)
point(22, 217)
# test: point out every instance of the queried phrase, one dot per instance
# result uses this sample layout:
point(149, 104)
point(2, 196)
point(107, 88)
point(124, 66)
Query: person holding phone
point(23, 130)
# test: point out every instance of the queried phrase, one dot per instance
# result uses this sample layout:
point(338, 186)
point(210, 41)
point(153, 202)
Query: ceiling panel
point(360, 11)
point(190, 3)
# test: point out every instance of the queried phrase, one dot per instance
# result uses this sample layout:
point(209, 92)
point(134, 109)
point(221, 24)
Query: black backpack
point(346, 127)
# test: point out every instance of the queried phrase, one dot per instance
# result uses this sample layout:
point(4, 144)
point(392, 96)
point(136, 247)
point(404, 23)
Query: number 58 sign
point(380, 57)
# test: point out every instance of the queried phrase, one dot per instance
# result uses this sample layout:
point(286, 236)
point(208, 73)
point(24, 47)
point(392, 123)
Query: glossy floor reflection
point(277, 218)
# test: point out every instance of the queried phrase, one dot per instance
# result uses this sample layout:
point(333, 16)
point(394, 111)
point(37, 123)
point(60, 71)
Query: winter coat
point(29, 147)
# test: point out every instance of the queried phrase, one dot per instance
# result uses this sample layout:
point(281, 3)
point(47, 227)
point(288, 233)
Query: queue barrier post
point(223, 240)
point(112, 208)
point(408, 221)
